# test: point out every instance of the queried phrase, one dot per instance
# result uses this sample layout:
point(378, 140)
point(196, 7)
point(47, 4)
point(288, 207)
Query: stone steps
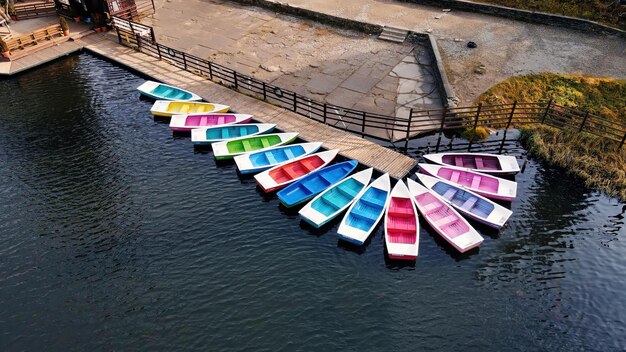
point(395, 35)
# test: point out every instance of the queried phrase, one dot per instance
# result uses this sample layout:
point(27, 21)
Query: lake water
point(116, 235)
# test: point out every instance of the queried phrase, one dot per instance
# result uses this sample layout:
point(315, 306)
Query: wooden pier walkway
point(350, 145)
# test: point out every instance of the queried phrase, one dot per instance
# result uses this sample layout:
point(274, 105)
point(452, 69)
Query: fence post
point(295, 102)
point(511, 116)
point(545, 114)
point(622, 143)
point(580, 129)
point(408, 130)
point(210, 71)
point(480, 106)
point(119, 37)
point(324, 113)
point(184, 60)
point(158, 49)
point(363, 125)
point(236, 81)
point(264, 91)
point(443, 120)
point(152, 35)
point(138, 39)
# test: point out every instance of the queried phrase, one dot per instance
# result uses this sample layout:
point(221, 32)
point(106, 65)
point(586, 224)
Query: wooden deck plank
point(350, 145)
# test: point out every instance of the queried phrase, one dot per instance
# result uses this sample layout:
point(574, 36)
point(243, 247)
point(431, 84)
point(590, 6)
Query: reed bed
point(596, 160)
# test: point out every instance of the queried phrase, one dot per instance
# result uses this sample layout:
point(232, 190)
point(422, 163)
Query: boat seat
point(265, 142)
point(363, 214)
point(479, 162)
point(246, 145)
point(431, 207)
point(291, 172)
point(446, 221)
point(180, 95)
point(184, 109)
point(270, 158)
point(449, 194)
point(455, 176)
point(476, 182)
point(458, 161)
point(305, 189)
point(220, 120)
point(167, 92)
point(401, 212)
point(348, 192)
point(203, 121)
point(469, 204)
point(225, 133)
point(289, 153)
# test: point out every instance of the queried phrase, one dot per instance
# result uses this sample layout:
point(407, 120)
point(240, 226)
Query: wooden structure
point(43, 37)
point(34, 9)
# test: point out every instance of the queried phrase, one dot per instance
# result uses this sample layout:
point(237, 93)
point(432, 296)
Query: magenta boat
point(483, 184)
point(192, 121)
point(488, 163)
point(446, 221)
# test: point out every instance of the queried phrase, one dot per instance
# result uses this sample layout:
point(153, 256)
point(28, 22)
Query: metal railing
point(366, 123)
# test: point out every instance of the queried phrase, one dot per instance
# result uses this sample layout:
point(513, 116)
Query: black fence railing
point(392, 128)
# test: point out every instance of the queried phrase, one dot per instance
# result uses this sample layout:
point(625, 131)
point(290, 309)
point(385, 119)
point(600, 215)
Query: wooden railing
point(34, 9)
point(131, 10)
point(35, 39)
point(366, 123)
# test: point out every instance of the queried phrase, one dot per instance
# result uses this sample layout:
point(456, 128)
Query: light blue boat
point(210, 135)
point(366, 211)
point(312, 184)
point(467, 202)
point(161, 91)
point(263, 160)
point(333, 201)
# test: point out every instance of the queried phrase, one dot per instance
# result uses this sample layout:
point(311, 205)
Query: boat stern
point(159, 108)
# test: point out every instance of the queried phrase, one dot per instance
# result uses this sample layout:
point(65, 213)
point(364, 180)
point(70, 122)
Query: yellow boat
point(168, 108)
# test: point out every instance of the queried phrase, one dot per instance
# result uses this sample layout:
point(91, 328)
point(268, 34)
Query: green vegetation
point(3, 46)
point(474, 135)
point(64, 24)
point(604, 11)
point(605, 97)
point(596, 160)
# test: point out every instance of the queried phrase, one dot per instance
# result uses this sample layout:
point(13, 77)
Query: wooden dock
point(350, 145)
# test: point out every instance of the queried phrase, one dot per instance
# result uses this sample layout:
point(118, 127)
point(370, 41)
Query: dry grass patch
point(596, 160)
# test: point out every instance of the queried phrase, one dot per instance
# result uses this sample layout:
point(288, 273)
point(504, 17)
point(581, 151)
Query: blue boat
point(312, 184)
point(161, 91)
point(263, 160)
point(210, 135)
point(365, 213)
point(467, 202)
point(330, 203)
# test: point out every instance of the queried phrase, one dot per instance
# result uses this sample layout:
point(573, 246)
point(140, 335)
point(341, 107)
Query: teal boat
point(161, 91)
point(209, 135)
point(312, 184)
point(332, 202)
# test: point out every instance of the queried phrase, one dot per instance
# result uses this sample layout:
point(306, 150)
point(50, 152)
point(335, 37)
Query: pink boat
point(192, 121)
point(401, 225)
point(482, 162)
point(483, 184)
point(446, 221)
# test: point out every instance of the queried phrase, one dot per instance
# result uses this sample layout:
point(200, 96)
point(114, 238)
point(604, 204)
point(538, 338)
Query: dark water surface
point(114, 235)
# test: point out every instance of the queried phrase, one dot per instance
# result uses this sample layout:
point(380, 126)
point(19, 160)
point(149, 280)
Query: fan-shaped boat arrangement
point(454, 187)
